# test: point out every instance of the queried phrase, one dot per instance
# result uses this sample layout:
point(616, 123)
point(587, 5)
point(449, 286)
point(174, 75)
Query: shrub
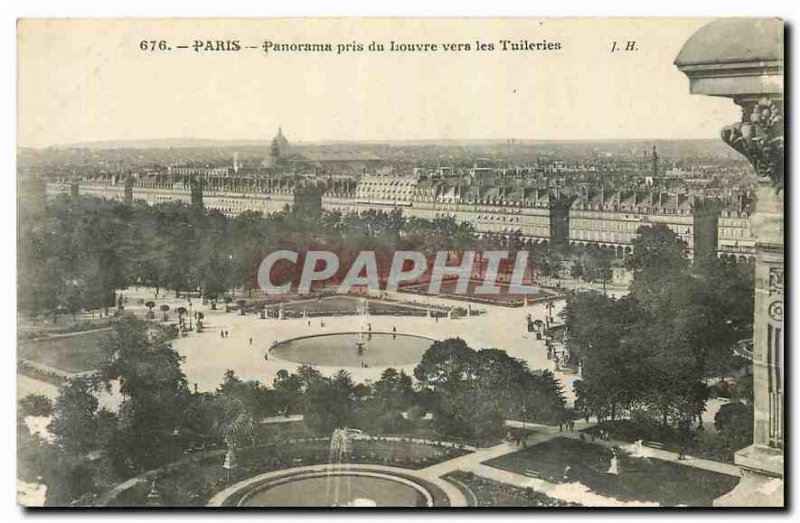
point(35, 405)
point(734, 421)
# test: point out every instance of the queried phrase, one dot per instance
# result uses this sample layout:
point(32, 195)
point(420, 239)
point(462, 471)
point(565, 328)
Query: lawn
point(563, 460)
point(74, 353)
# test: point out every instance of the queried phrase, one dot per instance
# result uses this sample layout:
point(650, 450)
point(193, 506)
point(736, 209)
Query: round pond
point(353, 490)
point(351, 349)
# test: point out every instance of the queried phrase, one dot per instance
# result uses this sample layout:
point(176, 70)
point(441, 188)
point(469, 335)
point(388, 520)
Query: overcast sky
point(85, 81)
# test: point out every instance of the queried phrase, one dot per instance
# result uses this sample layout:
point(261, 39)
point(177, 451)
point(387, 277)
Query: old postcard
point(400, 262)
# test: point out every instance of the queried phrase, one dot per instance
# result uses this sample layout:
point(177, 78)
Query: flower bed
point(193, 482)
point(483, 492)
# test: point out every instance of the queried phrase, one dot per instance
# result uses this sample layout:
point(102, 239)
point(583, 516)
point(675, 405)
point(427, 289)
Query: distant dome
point(734, 40)
point(280, 145)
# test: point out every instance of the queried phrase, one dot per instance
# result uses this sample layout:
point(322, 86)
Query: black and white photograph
point(400, 262)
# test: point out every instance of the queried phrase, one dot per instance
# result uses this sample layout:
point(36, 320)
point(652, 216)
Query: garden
point(563, 460)
point(194, 479)
point(71, 353)
point(484, 492)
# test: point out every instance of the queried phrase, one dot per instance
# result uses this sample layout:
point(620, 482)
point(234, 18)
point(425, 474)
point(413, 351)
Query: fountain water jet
point(363, 314)
point(339, 452)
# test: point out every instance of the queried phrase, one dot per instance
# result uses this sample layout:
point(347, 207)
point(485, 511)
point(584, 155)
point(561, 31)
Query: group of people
point(518, 437)
point(602, 434)
point(224, 334)
point(567, 425)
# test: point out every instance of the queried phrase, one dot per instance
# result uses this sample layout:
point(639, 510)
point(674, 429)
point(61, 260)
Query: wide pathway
point(208, 355)
point(573, 492)
point(568, 492)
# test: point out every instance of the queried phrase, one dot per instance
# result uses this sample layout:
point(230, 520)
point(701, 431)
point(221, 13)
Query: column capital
point(759, 136)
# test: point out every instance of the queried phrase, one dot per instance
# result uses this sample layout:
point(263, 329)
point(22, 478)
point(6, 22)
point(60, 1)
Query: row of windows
point(605, 225)
point(601, 236)
point(729, 232)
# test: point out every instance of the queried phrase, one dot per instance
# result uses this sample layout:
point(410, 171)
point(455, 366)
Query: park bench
point(655, 445)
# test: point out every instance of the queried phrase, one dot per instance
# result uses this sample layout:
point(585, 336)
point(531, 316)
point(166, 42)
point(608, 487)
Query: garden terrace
point(564, 460)
point(192, 481)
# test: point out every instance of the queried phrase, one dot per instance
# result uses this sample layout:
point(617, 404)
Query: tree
point(258, 400)
point(734, 421)
point(288, 392)
point(597, 266)
point(35, 405)
point(576, 271)
point(308, 374)
point(394, 390)
point(153, 389)
point(472, 392)
point(659, 260)
point(165, 309)
point(74, 419)
point(328, 403)
point(449, 360)
point(150, 304)
point(612, 375)
point(717, 313)
point(648, 353)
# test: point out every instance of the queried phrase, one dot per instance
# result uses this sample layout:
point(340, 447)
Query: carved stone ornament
point(759, 137)
point(775, 280)
point(776, 311)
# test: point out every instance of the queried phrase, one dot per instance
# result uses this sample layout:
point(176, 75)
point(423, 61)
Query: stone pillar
point(742, 59)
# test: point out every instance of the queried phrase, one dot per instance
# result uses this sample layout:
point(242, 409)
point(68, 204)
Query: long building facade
point(528, 215)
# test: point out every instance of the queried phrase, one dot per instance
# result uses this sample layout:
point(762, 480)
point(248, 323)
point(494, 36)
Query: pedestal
point(762, 479)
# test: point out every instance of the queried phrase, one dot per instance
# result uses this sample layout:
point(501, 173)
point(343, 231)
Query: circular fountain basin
point(355, 489)
point(380, 349)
